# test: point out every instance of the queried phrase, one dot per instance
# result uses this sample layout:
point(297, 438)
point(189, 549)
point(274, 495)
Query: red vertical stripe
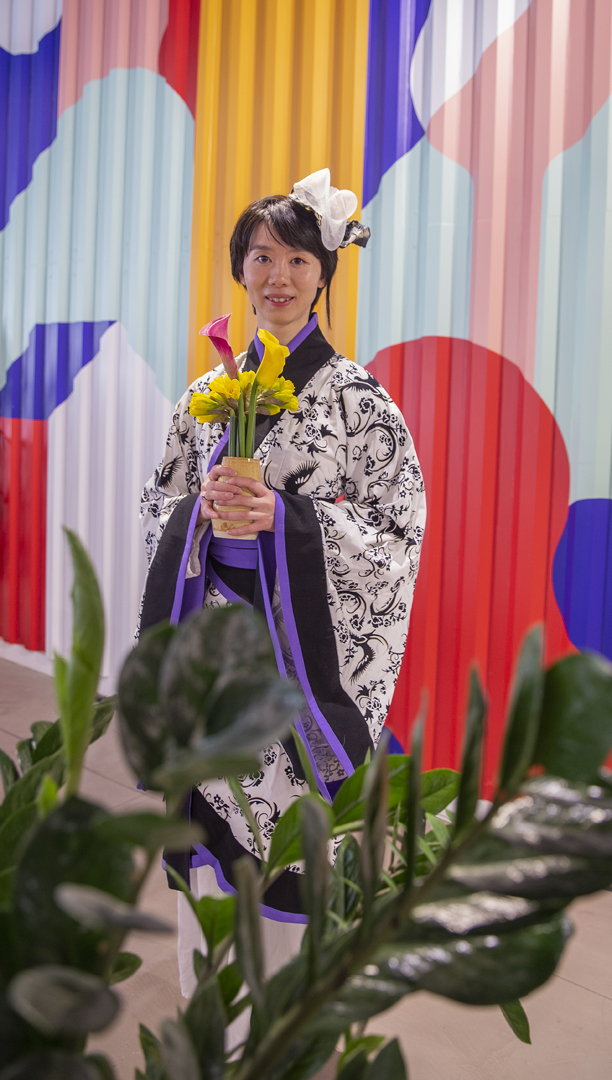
point(178, 51)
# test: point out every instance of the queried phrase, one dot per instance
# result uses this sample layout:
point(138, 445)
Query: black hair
point(294, 226)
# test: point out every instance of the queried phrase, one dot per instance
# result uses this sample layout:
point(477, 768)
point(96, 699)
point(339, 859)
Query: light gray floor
point(571, 1017)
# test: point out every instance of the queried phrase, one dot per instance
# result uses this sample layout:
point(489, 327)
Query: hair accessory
point(332, 208)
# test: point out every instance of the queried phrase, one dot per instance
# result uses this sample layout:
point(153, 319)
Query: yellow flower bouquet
point(236, 397)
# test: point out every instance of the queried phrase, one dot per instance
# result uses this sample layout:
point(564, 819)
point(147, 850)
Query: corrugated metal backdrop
point(134, 131)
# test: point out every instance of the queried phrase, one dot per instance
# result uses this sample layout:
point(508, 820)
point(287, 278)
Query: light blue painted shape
point(103, 231)
point(414, 275)
point(573, 364)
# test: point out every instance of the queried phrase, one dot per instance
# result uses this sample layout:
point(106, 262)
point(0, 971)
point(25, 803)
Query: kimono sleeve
point(174, 479)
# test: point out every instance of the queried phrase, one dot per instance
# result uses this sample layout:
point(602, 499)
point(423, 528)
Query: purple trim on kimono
point(203, 857)
point(293, 344)
point(294, 641)
point(180, 581)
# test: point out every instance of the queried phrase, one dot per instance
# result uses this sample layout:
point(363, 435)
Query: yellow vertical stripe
point(281, 92)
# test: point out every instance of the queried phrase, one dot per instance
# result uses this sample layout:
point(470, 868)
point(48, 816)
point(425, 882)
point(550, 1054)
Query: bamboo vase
point(244, 467)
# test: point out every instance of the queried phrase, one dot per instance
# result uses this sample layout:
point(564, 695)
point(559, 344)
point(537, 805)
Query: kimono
point(335, 579)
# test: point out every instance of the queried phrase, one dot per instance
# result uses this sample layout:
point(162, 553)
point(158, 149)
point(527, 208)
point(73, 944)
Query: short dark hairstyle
point(294, 226)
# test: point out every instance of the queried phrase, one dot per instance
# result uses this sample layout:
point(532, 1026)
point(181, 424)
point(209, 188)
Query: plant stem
point(250, 431)
point(232, 435)
point(241, 425)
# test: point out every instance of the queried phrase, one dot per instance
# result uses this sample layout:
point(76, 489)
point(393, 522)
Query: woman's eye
point(299, 261)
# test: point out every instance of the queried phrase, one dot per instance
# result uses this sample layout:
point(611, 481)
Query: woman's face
point(282, 283)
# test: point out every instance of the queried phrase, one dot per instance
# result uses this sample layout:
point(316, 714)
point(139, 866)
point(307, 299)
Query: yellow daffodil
point(273, 359)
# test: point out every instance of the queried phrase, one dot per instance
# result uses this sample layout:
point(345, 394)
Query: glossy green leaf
point(13, 833)
point(346, 878)
point(24, 750)
point(99, 910)
point(64, 846)
point(126, 964)
point(178, 1053)
point(104, 710)
point(388, 1064)
point(554, 816)
point(375, 790)
point(412, 802)
point(286, 846)
point(249, 951)
point(305, 761)
point(316, 830)
point(438, 788)
point(204, 1020)
point(364, 1046)
point(142, 723)
point(525, 711)
point(469, 787)
point(25, 790)
point(51, 1065)
point(576, 728)
point(517, 1018)
point(354, 1067)
point(152, 1050)
point(56, 999)
point(78, 680)
point(304, 1058)
point(216, 917)
point(8, 771)
point(230, 982)
point(534, 876)
point(47, 797)
point(49, 743)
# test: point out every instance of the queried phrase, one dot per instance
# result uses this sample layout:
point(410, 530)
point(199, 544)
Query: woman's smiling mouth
point(279, 301)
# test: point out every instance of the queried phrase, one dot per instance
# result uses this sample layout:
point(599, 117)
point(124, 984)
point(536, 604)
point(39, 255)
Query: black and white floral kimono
point(335, 580)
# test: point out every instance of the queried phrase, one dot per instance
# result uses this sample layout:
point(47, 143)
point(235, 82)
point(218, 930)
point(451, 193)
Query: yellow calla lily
point(273, 360)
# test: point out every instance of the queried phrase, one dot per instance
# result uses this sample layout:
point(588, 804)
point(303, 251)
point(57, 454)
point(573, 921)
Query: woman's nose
point(279, 273)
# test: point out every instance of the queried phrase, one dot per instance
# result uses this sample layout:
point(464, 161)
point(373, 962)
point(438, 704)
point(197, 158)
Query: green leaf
point(51, 1065)
point(525, 709)
point(56, 999)
point(104, 710)
point(47, 799)
point(64, 847)
point(305, 1058)
point(354, 1067)
point(517, 1018)
point(190, 769)
point(14, 832)
point(348, 805)
point(177, 1051)
point(248, 929)
point(412, 800)
point(40, 728)
point(7, 879)
point(78, 681)
point(346, 878)
point(439, 829)
point(376, 789)
point(49, 743)
point(316, 829)
point(142, 724)
point(305, 761)
point(205, 1023)
point(8, 771)
point(25, 790)
point(216, 917)
point(286, 845)
point(230, 982)
point(98, 910)
point(519, 872)
point(364, 1046)
point(126, 964)
point(24, 750)
point(150, 831)
point(103, 1066)
point(438, 788)
point(576, 727)
point(152, 1050)
point(469, 786)
point(388, 1064)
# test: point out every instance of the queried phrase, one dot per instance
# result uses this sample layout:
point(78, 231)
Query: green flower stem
point(233, 432)
point(241, 425)
point(250, 431)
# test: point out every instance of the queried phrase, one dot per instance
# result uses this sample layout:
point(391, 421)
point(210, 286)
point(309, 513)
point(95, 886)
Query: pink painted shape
point(534, 94)
point(99, 35)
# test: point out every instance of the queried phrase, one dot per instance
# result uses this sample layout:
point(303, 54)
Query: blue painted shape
point(392, 125)
point(43, 376)
point(28, 114)
point(582, 575)
point(394, 746)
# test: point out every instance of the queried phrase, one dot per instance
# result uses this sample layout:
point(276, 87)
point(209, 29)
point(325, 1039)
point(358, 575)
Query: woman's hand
point(220, 496)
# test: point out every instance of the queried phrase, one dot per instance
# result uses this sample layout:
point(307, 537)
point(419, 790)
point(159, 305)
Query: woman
point(340, 512)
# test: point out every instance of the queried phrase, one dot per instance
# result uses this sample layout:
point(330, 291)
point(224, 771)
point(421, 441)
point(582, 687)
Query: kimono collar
point(297, 340)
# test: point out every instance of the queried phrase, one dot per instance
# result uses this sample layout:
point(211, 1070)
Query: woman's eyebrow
point(268, 247)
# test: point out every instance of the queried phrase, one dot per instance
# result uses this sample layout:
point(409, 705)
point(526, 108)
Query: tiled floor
point(571, 1017)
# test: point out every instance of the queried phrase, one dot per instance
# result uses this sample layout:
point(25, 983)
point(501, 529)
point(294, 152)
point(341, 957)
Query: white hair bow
point(333, 208)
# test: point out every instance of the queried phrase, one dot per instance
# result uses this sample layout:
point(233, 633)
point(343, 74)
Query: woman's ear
point(322, 282)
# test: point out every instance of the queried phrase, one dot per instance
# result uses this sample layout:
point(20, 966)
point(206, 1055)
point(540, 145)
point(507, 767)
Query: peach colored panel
point(535, 92)
point(98, 35)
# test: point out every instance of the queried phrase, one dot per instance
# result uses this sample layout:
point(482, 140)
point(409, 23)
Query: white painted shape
point(24, 22)
point(104, 442)
point(454, 36)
